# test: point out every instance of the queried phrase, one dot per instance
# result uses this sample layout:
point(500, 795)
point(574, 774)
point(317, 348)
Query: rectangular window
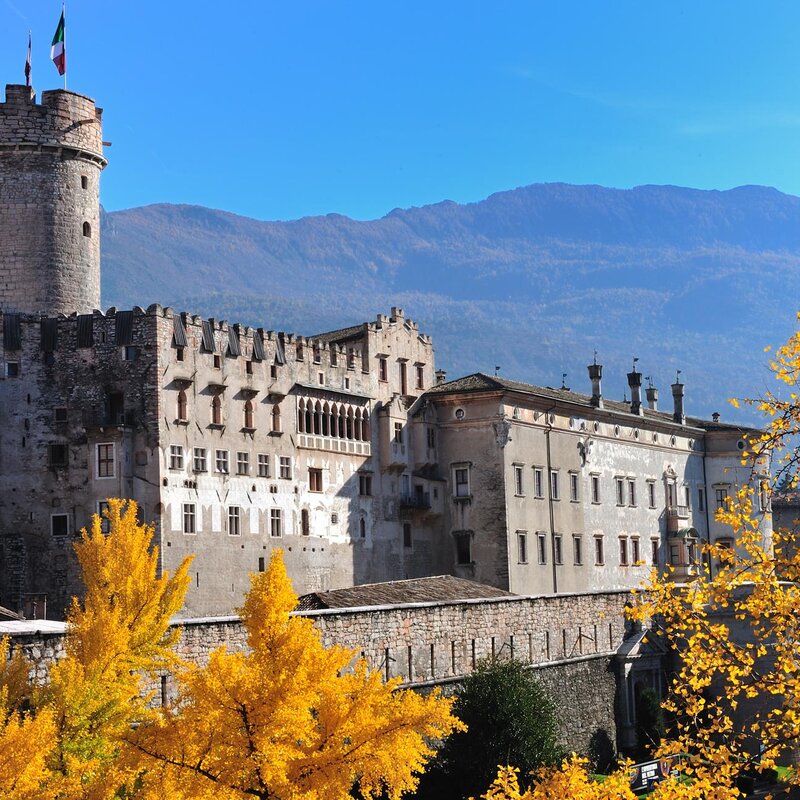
point(701, 498)
point(275, 522)
point(461, 481)
point(518, 485)
point(620, 484)
point(188, 518)
point(314, 479)
point(623, 552)
point(131, 353)
point(234, 521)
point(431, 437)
point(687, 497)
point(722, 496)
point(599, 555)
point(558, 554)
point(538, 482)
point(102, 511)
point(200, 460)
point(631, 491)
point(105, 460)
point(522, 547)
point(332, 355)
point(383, 368)
point(420, 376)
point(248, 367)
point(651, 494)
point(553, 484)
point(674, 554)
point(635, 554)
point(654, 548)
point(577, 550)
point(407, 541)
point(242, 463)
point(58, 455)
point(263, 465)
point(398, 432)
point(59, 524)
point(403, 380)
point(12, 369)
point(285, 467)
point(60, 414)
point(222, 461)
point(365, 485)
point(175, 456)
point(541, 548)
point(595, 479)
point(573, 487)
point(179, 353)
point(463, 541)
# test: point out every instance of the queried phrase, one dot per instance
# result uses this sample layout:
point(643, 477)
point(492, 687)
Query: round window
point(459, 413)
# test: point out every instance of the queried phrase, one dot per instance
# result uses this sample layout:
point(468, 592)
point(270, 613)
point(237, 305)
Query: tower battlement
point(51, 156)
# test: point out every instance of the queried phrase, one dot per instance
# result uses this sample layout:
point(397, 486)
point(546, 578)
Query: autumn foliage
point(288, 720)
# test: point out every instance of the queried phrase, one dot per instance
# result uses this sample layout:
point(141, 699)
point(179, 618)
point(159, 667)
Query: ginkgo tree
point(289, 719)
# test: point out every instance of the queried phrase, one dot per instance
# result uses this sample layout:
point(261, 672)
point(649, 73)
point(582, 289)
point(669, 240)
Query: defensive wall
point(570, 640)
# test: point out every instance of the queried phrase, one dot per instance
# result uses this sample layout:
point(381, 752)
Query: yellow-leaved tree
point(290, 719)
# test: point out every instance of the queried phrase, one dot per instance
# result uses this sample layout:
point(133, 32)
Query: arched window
point(216, 410)
point(357, 425)
point(362, 528)
point(317, 418)
point(326, 419)
point(183, 413)
point(342, 416)
point(87, 230)
point(335, 420)
point(365, 433)
point(305, 525)
point(349, 423)
point(276, 419)
point(301, 416)
point(248, 414)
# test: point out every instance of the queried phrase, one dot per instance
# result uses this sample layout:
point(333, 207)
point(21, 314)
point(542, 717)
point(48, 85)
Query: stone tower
point(51, 155)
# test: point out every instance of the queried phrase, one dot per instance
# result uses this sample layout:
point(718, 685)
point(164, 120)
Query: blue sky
point(280, 110)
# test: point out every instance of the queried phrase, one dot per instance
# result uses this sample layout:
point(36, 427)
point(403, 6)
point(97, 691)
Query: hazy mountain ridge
point(532, 280)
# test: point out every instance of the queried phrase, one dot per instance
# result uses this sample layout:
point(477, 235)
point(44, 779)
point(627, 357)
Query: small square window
point(285, 467)
point(60, 414)
point(200, 462)
point(59, 525)
point(242, 463)
point(12, 369)
point(221, 459)
point(131, 353)
point(263, 465)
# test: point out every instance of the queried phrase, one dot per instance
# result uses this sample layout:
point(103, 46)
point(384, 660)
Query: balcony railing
point(421, 501)
point(678, 512)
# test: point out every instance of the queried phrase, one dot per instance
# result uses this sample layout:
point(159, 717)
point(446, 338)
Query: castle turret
point(51, 156)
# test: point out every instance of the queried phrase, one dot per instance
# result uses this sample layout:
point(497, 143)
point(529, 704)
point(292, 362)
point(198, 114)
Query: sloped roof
point(340, 335)
point(480, 382)
point(413, 590)
point(5, 614)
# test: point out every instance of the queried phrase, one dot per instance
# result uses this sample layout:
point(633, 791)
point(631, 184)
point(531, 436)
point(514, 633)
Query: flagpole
point(64, 14)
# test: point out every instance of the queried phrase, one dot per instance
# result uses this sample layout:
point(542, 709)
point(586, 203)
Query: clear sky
point(279, 110)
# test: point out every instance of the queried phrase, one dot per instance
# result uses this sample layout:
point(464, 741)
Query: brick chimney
point(635, 383)
point(441, 376)
point(596, 374)
point(677, 397)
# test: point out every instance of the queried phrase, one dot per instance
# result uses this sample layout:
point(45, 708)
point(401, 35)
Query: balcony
point(420, 501)
point(677, 517)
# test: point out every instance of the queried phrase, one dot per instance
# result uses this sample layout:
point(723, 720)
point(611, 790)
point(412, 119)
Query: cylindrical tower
point(51, 156)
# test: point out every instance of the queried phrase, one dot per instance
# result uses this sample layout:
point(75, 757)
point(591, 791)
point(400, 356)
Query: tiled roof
point(5, 614)
point(341, 335)
point(414, 590)
point(479, 382)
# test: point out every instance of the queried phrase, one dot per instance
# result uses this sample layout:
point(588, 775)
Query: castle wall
point(571, 640)
point(50, 163)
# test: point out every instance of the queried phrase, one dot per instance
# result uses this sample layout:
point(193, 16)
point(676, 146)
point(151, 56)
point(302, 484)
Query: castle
point(347, 448)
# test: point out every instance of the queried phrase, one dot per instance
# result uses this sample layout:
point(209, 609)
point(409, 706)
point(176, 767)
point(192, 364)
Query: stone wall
point(571, 640)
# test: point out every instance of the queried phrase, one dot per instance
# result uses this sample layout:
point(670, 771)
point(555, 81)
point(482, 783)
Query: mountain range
point(532, 281)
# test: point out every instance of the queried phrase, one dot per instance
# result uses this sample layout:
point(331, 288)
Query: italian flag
point(58, 53)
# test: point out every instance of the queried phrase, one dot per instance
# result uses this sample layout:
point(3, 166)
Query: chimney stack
point(596, 373)
point(635, 382)
point(677, 397)
point(441, 376)
point(652, 397)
